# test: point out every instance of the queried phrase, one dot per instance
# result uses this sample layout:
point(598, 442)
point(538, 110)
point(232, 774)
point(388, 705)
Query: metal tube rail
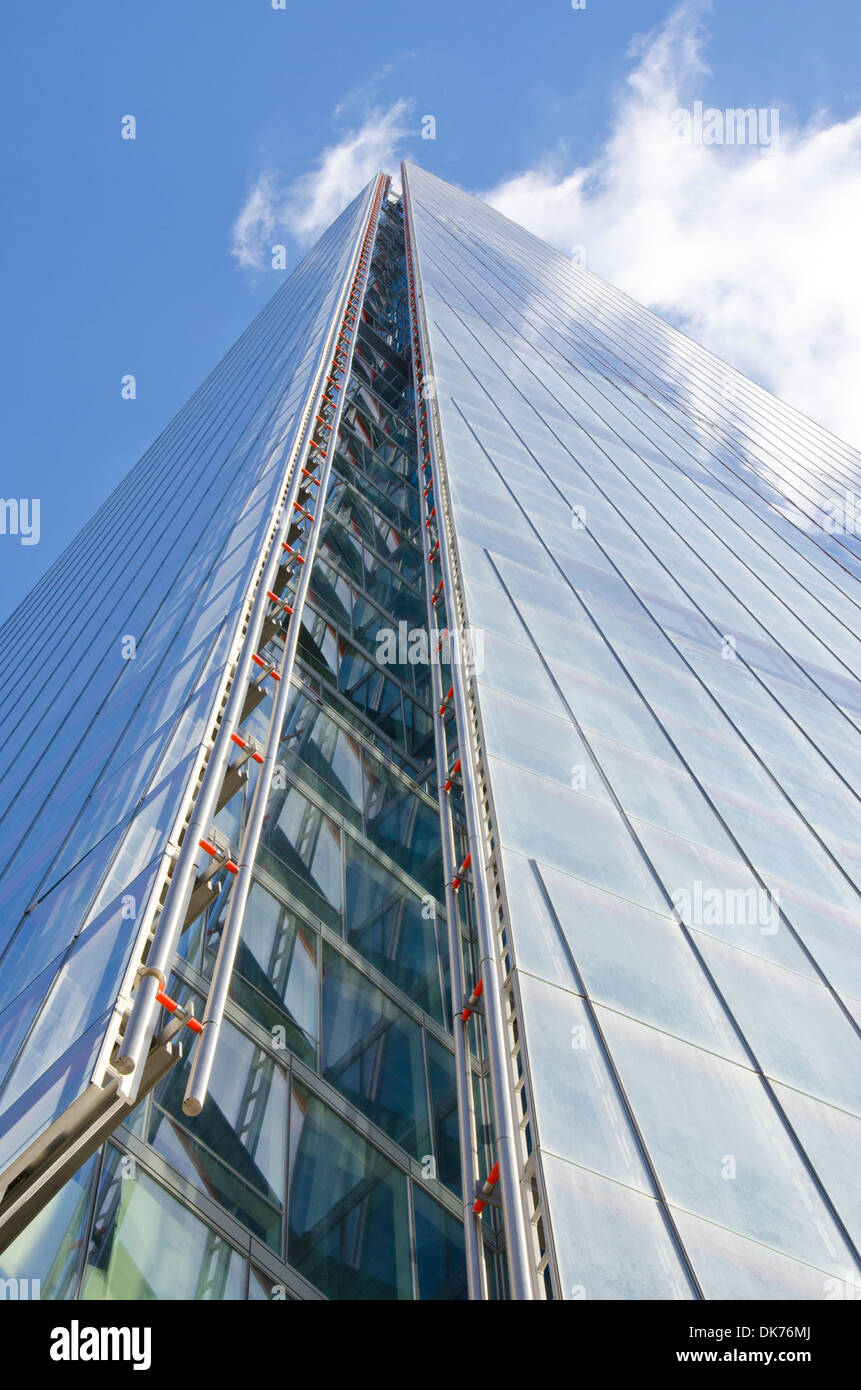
point(213, 1016)
point(153, 976)
point(467, 1142)
point(506, 1130)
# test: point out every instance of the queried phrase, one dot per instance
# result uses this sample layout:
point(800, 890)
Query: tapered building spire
point(430, 807)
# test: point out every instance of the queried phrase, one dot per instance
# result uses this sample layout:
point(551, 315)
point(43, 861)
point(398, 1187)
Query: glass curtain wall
point(670, 709)
point(325, 1161)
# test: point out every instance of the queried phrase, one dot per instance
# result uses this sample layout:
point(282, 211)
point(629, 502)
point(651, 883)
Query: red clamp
point(458, 878)
point(215, 853)
point(484, 1190)
point(268, 668)
point(182, 1014)
point(449, 783)
point(247, 747)
point(282, 603)
point(469, 1005)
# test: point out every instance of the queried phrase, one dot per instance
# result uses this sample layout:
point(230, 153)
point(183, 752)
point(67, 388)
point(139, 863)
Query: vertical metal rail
point(152, 976)
point(506, 1134)
point(328, 420)
point(467, 1141)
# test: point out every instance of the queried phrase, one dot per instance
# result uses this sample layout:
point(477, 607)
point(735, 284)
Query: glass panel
point(640, 963)
point(579, 1115)
point(50, 925)
point(570, 831)
point(275, 978)
point(394, 929)
point(235, 1148)
point(319, 751)
point(796, 1028)
point(349, 1225)
point(301, 848)
point(50, 1093)
point(147, 1245)
point(262, 1287)
point(49, 1250)
point(719, 895)
point(727, 1266)
point(832, 1141)
point(540, 743)
point(85, 984)
point(719, 1147)
point(610, 1242)
point(372, 1053)
point(444, 1114)
point(402, 825)
point(540, 948)
point(439, 1249)
point(17, 1018)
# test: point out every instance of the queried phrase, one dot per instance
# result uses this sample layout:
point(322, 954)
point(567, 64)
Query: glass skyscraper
point(430, 812)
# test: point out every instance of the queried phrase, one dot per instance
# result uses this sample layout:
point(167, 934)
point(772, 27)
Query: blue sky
point(128, 256)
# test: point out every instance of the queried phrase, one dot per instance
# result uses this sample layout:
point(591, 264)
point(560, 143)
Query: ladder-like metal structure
point(134, 1056)
point(358, 406)
point(458, 707)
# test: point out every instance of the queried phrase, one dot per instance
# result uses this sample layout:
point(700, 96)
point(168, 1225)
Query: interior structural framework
point(431, 860)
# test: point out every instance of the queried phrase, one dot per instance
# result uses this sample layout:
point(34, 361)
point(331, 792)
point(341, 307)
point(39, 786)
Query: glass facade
point(324, 1161)
point(669, 715)
point(633, 814)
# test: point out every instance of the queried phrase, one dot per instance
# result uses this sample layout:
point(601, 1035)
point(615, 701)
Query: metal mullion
point(91, 1212)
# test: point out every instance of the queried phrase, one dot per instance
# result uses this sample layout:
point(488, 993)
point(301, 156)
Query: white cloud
point(252, 230)
point(305, 208)
point(753, 252)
